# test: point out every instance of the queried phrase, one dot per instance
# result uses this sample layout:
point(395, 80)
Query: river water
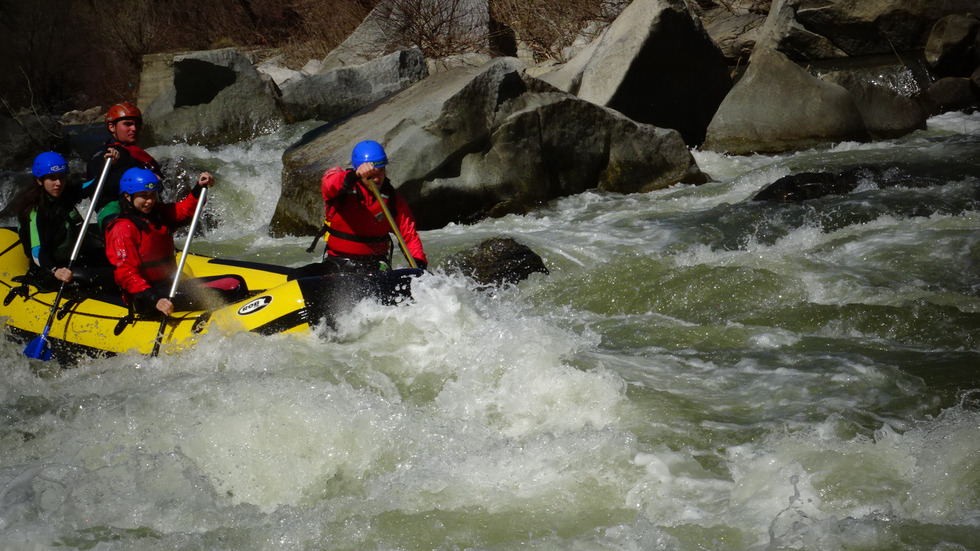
point(698, 371)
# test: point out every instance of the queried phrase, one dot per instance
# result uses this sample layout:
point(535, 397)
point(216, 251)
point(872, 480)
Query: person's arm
point(406, 225)
point(337, 182)
point(41, 251)
point(182, 211)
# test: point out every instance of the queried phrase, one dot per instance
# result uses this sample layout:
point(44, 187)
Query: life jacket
point(354, 223)
point(53, 227)
point(155, 247)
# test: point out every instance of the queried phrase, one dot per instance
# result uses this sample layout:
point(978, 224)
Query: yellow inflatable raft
point(104, 325)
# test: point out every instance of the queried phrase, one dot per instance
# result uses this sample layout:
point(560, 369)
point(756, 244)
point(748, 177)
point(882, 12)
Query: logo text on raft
point(255, 305)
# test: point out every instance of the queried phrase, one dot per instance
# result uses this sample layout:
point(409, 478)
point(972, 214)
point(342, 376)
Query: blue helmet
point(48, 162)
point(136, 180)
point(368, 151)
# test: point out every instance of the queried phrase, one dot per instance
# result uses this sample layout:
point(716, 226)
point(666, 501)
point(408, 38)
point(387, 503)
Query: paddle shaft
point(74, 252)
point(180, 265)
point(391, 222)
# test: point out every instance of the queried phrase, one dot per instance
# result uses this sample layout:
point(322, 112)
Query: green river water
point(698, 371)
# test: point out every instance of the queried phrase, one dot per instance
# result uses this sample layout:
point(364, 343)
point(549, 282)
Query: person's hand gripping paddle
point(180, 267)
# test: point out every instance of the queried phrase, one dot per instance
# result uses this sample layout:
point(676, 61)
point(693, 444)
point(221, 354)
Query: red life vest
point(142, 157)
point(155, 246)
point(355, 224)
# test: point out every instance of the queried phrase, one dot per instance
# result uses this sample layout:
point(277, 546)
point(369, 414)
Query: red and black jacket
point(355, 224)
point(141, 247)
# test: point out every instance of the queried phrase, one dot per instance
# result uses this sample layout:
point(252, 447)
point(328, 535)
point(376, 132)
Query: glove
point(350, 181)
point(420, 264)
point(145, 302)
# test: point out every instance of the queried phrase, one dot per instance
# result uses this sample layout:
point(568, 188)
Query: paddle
point(39, 348)
point(391, 222)
point(180, 266)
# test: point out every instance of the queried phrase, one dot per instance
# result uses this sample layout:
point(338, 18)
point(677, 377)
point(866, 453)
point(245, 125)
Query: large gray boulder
point(472, 142)
point(336, 93)
point(886, 113)
point(778, 106)
point(656, 65)
point(209, 97)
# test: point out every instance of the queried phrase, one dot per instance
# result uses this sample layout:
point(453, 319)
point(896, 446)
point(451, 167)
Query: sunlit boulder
point(333, 94)
point(470, 142)
point(779, 106)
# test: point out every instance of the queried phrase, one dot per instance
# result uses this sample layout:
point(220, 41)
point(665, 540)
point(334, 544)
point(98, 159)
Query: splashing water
point(698, 371)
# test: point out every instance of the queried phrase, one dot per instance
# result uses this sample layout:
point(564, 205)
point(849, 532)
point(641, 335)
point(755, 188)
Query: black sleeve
point(94, 167)
point(145, 302)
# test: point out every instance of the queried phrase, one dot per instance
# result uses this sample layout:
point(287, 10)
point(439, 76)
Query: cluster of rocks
point(473, 136)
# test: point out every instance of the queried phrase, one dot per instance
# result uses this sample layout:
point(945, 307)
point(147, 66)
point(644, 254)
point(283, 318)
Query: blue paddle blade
point(38, 349)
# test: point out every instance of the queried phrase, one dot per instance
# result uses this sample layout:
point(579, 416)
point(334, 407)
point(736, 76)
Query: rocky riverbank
point(474, 136)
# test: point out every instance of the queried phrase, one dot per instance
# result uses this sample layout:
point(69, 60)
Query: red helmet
point(122, 111)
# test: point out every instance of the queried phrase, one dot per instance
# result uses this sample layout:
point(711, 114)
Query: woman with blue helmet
point(140, 245)
point(355, 226)
point(49, 224)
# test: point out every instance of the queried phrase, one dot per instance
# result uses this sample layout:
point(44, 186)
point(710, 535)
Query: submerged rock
point(804, 186)
point(497, 261)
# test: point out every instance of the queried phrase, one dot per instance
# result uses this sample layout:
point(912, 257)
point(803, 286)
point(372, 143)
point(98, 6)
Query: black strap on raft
point(316, 239)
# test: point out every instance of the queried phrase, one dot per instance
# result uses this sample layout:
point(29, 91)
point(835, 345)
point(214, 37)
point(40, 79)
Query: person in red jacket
point(356, 229)
point(140, 245)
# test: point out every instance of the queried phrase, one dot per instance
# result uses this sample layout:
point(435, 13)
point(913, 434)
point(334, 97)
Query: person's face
point(125, 131)
point(377, 175)
point(143, 201)
point(53, 184)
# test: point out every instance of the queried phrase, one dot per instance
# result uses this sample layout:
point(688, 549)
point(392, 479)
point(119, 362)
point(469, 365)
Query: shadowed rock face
point(213, 96)
point(656, 65)
point(669, 84)
point(198, 82)
point(497, 261)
